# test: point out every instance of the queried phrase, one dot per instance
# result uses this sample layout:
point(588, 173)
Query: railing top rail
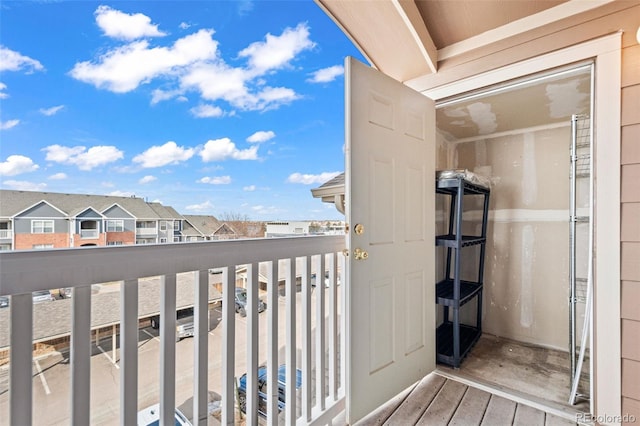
point(32, 270)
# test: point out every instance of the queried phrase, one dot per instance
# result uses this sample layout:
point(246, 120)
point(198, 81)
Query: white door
point(390, 208)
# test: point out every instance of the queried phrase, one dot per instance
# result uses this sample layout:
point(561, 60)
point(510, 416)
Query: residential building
point(39, 220)
point(287, 228)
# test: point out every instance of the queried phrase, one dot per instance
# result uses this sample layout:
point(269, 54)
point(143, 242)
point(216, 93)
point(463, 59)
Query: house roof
point(332, 191)
point(206, 225)
point(432, 32)
point(13, 202)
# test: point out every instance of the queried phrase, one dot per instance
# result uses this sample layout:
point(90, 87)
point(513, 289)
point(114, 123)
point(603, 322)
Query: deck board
point(551, 420)
point(472, 408)
point(500, 411)
point(417, 402)
point(444, 405)
point(528, 416)
point(436, 400)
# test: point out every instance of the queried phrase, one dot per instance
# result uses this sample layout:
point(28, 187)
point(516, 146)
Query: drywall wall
point(527, 256)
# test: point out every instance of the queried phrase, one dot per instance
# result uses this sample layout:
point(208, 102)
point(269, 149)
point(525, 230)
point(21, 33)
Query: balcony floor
point(437, 400)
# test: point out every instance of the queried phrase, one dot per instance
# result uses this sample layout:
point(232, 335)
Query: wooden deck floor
point(436, 400)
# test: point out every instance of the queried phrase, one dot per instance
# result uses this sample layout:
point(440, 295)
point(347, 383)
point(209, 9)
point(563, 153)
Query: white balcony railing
point(89, 233)
point(315, 349)
point(6, 234)
point(146, 231)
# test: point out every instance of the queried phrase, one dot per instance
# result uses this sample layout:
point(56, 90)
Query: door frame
point(605, 339)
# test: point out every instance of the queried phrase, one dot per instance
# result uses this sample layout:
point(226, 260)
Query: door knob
point(359, 229)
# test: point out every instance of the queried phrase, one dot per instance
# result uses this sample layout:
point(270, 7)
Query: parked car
point(184, 323)
point(326, 279)
point(4, 301)
point(262, 389)
point(241, 302)
point(42, 296)
point(150, 416)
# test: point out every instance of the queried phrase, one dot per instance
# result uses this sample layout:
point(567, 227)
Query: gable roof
point(206, 225)
point(13, 202)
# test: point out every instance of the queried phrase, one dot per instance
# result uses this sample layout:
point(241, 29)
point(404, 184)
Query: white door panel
point(390, 191)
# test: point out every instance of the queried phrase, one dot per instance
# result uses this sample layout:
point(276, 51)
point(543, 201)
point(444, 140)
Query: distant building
point(287, 229)
point(43, 220)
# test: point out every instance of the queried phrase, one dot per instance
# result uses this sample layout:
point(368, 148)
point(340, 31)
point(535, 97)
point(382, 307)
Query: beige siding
point(630, 228)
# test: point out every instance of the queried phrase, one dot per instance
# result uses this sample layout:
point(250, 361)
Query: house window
point(114, 243)
point(176, 239)
point(42, 246)
point(115, 225)
point(163, 240)
point(42, 227)
point(163, 226)
point(176, 225)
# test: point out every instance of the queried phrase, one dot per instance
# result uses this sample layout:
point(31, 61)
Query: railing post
point(320, 334)
point(307, 387)
point(228, 345)
point(291, 374)
point(201, 343)
point(21, 357)
point(128, 352)
point(81, 356)
point(252, 344)
point(168, 351)
point(272, 343)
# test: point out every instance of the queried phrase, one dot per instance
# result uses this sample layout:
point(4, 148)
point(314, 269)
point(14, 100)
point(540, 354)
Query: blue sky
point(211, 107)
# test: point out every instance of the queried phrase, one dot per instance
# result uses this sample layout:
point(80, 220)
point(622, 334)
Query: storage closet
point(510, 291)
point(453, 338)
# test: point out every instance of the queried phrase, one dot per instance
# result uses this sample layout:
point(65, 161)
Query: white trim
point(606, 51)
point(106, 225)
point(64, 214)
point(123, 209)
point(410, 14)
point(76, 216)
point(531, 22)
point(51, 221)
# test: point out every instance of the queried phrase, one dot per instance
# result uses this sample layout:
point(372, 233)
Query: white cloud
point(224, 149)
point(83, 158)
point(147, 179)
point(158, 156)
point(124, 26)
point(260, 209)
point(261, 136)
point(3, 95)
point(216, 180)
point(203, 111)
point(17, 164)
point(278, 51)
point(200, 207)
point(14, 61)
point(249, 188)
point(51, 111)
point(308, 179)
point(6, 125)
point(58, 176)
point(21, 185)
point(184, 25)
point(124, 68)
point(326, 75)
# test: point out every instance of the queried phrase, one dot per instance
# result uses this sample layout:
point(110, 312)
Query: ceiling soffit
point(405, 39)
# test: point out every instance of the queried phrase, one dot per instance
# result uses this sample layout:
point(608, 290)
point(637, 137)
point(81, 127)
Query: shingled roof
point(13, 202)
